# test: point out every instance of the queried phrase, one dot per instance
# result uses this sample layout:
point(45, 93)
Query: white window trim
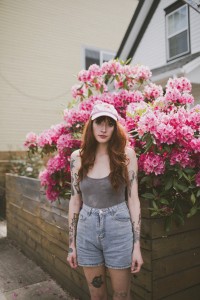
point(101, 51)
point(179, 31)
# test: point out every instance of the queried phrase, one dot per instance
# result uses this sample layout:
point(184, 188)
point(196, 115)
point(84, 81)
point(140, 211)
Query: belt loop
point(90, 212)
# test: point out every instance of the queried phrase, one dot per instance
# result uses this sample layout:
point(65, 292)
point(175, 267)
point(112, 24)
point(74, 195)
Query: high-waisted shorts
point(105, 237)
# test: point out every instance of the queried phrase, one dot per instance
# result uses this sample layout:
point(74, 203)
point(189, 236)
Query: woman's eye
point(111, 124)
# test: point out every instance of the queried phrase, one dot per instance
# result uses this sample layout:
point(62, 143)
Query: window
point(96, 57)
point(177, 31)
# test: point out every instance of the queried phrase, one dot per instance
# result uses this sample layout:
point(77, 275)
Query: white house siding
point(194, 30)
point(152, 48)
point(41, 52)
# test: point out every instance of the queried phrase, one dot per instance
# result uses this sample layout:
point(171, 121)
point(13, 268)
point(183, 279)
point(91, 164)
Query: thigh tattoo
point(97, 281)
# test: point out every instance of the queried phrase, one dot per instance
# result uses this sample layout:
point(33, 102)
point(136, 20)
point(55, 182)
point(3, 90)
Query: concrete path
point(21, 278)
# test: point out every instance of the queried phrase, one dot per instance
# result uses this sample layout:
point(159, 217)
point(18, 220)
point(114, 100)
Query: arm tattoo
point(97, 281)
point(136, 229)
point(72, 229)
point(132, 177)
point(74, 179)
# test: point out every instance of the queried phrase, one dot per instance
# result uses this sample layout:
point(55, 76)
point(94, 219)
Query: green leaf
point(198, 193)
point(189, 171)
point(145, 179)
point(148, 196)
point(164, 201)
point(154, 214)
point(169, 183)
point(192, 212)
point(193, 198)
point(101, 89)
point(155, 205)
point(89, 93)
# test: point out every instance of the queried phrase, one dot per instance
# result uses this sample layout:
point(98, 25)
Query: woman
point(106, 232)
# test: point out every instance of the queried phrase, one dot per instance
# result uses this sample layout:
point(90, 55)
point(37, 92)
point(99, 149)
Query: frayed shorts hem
point(91, 265)
point(118, 268)
point(107, 266)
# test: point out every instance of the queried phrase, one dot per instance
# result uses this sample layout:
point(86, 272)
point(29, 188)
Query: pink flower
point(152, 163)
point(77, 91)
point(111, 67)
point(182, 84)
point(31, 140)
point(195, 145)
point(66, 143)
point(84, 76)
point(56, 163)
point(153, 91)
point(180, 156)
point(141, 72)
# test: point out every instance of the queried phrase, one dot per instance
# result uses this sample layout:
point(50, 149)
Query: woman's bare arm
point(74, 207)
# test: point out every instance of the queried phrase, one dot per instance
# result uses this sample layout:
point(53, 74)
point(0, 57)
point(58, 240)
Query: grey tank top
point(99, 193)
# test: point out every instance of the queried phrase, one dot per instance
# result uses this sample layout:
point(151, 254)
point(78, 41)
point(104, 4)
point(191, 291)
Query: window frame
point(171, 12)
point(102, 52)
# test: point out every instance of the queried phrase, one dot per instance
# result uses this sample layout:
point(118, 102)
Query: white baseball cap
point(104, 109)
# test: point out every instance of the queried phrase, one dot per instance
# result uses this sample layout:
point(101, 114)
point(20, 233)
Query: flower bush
point(162, 128)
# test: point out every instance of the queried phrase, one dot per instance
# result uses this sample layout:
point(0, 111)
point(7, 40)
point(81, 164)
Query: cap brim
point(101, 114)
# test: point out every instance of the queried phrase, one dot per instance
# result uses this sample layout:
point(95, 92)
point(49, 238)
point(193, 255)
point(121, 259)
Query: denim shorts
point(105, 237)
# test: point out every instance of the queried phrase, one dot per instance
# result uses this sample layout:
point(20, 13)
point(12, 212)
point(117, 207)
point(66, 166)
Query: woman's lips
point(103, 136)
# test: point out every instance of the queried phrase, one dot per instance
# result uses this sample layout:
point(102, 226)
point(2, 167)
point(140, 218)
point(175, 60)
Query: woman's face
point(103, 128)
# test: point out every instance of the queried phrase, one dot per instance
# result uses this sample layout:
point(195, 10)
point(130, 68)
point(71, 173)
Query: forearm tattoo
point(74, 179)
point(132, 176)
point(137, 229)
point(72, 231)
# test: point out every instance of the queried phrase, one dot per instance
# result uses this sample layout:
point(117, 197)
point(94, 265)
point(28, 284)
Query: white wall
point(41, 52)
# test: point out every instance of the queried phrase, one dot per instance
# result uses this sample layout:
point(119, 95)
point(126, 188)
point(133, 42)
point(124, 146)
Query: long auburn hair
point(116, 151)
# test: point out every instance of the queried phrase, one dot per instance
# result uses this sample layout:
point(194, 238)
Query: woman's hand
point(72, 258)
point(137, 260)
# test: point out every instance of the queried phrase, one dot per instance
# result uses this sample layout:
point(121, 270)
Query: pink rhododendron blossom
point(45, 138)
point(165, 133)
point(66, 143)
point(153, 91)
point(46, 179)
point(180, 156)
point(195, 145)
point(77, 91)
point(95, 70)
point(172, 95)
point(56, 163)
point(141, 72)
point(186, 99)
point(111, 67)
point(75, 117)
point(181, 83)
point(31, 140)
point(84, 76)
point(152, 163)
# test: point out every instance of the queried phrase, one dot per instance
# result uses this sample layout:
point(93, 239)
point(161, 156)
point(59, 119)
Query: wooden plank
point(192, 293)
point(176, 243)
point(176, 263)
point(177, 282)
point(143, 279)
point(158, 229)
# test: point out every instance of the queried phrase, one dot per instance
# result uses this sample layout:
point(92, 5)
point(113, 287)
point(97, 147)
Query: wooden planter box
point(172, 262)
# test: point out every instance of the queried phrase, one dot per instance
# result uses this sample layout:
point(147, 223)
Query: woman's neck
point(102, 149)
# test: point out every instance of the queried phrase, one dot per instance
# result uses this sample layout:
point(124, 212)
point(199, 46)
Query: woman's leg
point(96, 279)
point(121, 281)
